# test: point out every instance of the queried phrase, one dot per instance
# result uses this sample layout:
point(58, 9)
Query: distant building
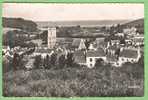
point(51, 37)
point(130, 31)
point(120, 34)
point(138, 40)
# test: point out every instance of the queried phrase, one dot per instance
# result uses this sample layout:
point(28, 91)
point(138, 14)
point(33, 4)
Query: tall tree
point(62, 61)
point(53, 59)
point(15, 61)
point(69, 60)
point(38, 61)
point(47, 64)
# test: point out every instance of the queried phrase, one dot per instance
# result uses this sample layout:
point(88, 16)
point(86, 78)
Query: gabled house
point(93, 55)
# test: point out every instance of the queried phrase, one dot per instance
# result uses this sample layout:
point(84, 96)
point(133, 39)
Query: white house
point(138, 40)
point(93, 55)
point(130, 31)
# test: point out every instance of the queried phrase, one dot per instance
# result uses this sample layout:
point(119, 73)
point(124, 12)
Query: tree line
point(54, 61)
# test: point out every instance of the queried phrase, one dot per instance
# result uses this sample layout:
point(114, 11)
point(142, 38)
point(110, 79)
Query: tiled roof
point(98, 53)
point(129, 53)
point(79, 57)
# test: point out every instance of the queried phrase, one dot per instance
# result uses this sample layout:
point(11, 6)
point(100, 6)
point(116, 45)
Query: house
point(5, 49)
point(79, 57)
point(93, 55)
point(129, 55)
point(120, 34)
point(92, 46)
point(130, 31)
point(78, 43)
point(138, 40)
point(42, 52)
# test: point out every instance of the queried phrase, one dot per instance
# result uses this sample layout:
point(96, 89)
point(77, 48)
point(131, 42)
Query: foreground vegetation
point(77, 81)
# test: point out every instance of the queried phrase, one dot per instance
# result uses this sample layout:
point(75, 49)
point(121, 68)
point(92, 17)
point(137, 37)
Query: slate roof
point(79, 57)
point(98, 53)
point(129, 53)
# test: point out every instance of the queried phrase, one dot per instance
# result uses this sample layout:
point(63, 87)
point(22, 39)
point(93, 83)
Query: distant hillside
point(139, 24)
point(89, 23)
point(19, 23)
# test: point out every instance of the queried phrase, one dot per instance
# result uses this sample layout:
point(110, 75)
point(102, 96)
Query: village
point(73, 50)
point(85, 51)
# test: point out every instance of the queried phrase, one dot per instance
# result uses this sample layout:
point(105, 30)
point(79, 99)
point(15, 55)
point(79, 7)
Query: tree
point(87, 43)
point(53, 59)
point(43, 36)
point(38, 61)
point(122, 41)
point(69, 60)
point(62, 61)
point(99, 62)
point(16, 62)
point(46, 63)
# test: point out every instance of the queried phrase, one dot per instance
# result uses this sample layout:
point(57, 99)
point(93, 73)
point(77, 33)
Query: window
point(90, 59)
point(90, 65)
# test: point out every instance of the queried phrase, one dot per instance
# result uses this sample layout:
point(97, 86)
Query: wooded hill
point(20, 23)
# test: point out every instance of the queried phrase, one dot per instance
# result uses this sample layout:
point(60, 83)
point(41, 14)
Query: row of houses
point(90, 57)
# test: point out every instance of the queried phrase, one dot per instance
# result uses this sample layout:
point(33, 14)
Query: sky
point(68, 12)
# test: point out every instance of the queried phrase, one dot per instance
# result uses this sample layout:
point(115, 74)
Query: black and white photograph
point(73, 50)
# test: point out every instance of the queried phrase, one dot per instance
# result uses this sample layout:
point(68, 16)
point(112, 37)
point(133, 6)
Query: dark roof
point(111, 58)
point(129, 53)
point(79, 57)
point(76, 42)
point(43, 50)
point(98, 53)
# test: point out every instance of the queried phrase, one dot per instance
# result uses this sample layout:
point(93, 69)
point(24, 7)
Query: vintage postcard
point(73, 50)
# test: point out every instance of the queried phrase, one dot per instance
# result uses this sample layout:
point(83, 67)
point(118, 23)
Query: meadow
point(107, 80)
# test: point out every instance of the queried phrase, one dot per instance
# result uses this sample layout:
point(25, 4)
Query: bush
point(71, 82)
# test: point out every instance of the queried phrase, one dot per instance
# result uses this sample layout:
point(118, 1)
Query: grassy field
point(75, 82)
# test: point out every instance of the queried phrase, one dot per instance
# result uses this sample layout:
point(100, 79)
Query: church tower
point(51, 37)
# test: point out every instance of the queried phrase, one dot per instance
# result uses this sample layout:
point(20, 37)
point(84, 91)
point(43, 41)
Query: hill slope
point(19, 23)
point(139, 24)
